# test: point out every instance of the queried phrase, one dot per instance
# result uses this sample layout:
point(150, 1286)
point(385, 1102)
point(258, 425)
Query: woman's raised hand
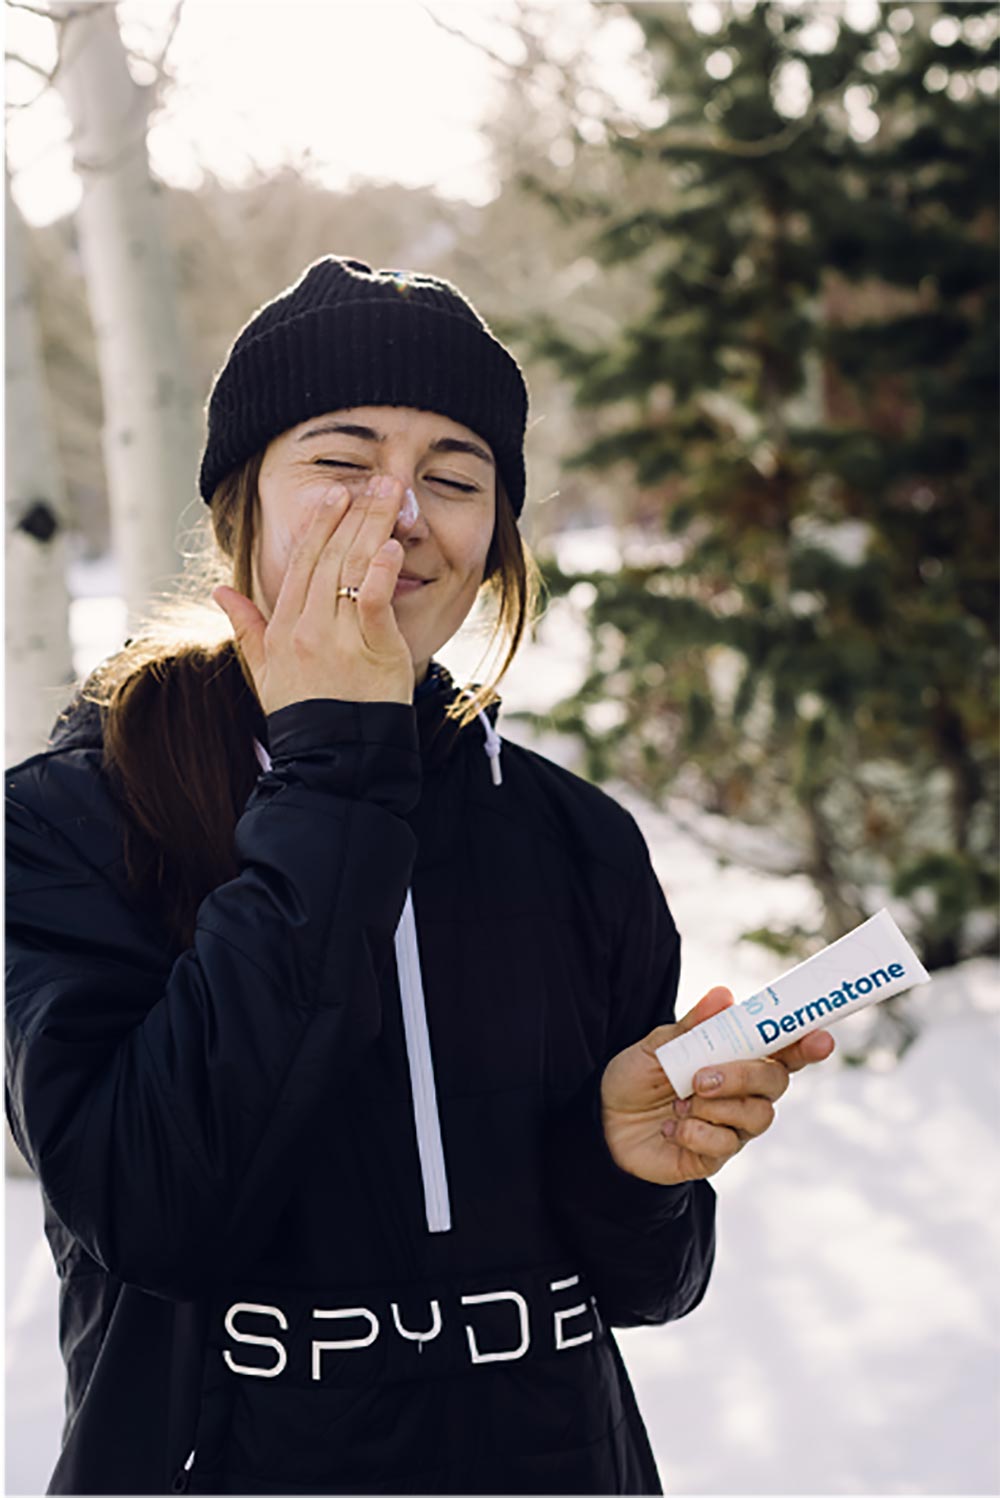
point(316, 645)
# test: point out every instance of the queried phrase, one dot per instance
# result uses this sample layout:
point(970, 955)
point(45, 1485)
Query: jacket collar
point(79, 726)
point(438, 733)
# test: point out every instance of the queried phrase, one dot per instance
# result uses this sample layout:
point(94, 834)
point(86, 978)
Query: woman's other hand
point(316, 645)
point(654, 1135)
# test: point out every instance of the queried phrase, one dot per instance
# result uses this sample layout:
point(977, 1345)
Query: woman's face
point(452, 475)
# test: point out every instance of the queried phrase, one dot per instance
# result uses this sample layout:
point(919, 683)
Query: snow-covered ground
point(850, 1341)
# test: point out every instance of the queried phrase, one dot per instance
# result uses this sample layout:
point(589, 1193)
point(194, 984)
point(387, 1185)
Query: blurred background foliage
point(807, 398)
point(761, 337)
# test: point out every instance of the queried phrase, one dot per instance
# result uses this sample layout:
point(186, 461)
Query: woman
point(330, 1036)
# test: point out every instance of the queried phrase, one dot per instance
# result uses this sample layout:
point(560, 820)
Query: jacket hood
point(80, 726)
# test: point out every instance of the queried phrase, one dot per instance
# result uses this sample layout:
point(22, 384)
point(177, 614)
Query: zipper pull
point(179, 1483)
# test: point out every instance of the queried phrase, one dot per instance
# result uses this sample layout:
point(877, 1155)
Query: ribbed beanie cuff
point(344, 336)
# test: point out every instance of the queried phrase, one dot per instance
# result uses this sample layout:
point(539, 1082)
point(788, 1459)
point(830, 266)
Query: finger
point(749, 1117)
point(349, 550)
point(766, 1076)
point(248, 625)
point(703, 1138)
point(378, 624)
point(377, 523)
point(294, 590)
point(814, 1048)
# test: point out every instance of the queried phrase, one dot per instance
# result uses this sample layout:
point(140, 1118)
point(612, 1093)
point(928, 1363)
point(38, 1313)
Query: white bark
point(151, 423)
point(38, 655)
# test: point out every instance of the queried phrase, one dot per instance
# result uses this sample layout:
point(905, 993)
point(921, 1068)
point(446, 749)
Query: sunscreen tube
point(865, 966)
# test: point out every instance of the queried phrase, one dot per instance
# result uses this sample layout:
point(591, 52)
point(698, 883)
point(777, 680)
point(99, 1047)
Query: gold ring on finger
point(349, 591)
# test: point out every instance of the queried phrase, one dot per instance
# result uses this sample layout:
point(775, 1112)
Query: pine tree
point(810, 395)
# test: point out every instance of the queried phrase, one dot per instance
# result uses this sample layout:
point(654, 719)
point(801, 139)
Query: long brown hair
point(180, 710)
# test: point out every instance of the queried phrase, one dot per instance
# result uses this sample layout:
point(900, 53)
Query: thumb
point(248, 624)
point(716, 999)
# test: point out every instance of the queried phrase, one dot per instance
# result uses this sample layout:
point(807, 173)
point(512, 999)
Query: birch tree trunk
point(38, 656)
point(151, 422)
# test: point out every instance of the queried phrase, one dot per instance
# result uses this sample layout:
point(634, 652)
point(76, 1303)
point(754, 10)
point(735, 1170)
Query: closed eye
point(340, 463)
point(467, 489)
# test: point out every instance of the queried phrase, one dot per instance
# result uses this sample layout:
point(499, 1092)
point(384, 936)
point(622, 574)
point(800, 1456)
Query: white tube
point(875, 957)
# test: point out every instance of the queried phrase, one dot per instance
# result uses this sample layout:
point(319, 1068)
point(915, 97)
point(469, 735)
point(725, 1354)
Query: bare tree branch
point(159, 61)
point(723, 144)
point(36, 10)
point(175, 19)
point(33, 67)
point(50, 14)
point(519, 69)
point(608, 111)
point(11, 109)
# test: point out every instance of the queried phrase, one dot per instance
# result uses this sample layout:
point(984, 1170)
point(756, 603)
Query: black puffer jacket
point(328, 1192)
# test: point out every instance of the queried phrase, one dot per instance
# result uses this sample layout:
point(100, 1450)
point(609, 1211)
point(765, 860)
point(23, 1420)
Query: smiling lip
point(406, 585)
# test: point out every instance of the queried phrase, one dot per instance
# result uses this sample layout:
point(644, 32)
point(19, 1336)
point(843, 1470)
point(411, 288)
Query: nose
point(410, 521)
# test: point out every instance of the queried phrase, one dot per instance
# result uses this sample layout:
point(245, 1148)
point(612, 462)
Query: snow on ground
point(850, 1340)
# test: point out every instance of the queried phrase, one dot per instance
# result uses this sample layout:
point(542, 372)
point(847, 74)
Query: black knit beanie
point(345, 335)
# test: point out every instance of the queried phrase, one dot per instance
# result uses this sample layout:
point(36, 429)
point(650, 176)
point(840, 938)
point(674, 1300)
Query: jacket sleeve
point(647, 1248)
point(160, 1103)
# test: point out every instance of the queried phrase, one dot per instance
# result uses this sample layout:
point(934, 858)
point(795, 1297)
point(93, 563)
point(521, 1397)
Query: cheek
point(471, 550)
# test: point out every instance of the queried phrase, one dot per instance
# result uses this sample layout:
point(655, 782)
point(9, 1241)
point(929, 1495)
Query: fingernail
point(670, 1128)
point(683, 1106)
point(707, 1081)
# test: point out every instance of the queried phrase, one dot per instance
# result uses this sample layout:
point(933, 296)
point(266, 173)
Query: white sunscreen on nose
point(865, 966)
point(409, 510)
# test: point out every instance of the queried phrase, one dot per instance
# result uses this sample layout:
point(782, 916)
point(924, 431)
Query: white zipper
point(418, 1052)
point(418, 1046)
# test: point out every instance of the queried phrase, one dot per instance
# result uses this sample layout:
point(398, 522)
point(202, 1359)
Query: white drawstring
point(493, 743)
point(492, 748)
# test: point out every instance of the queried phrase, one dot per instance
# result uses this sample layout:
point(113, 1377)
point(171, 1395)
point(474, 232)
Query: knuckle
point(355, 565)
point(659, 1035)
point(305, 639)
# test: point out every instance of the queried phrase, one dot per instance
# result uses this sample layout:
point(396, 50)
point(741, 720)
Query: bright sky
point(371, 89)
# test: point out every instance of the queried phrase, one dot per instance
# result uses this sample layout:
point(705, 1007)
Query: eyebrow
point(369, 435)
